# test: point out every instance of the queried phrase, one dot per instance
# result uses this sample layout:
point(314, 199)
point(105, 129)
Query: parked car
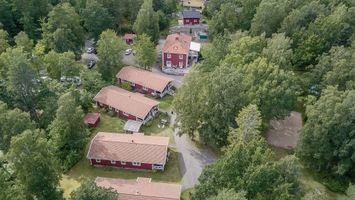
point(128, 52)
point(91, 64)
point(91, 50)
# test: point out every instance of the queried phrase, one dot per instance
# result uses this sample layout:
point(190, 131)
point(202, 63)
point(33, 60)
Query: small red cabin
point(129, 38)
point(132, 151)
point(191, 17)
point(92, 119)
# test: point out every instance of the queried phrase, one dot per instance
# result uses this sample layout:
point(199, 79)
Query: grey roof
point(133, 126)
point(191, 14)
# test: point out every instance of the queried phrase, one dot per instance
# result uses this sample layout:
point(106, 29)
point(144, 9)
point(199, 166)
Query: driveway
point(192, 160)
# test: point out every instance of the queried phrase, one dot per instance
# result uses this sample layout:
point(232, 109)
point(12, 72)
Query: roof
point(134, 147)
point(141, 189)
point(132, 125)
point(145, 78)
point(133, 103)
point(194, 46)
point(129, 36)
point(178, 43)
point(191, 14)
point(91, 118)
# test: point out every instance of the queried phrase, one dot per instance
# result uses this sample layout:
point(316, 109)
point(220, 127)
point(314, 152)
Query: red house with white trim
point(127, 105)
point(191, 17)
point(140, 189)
point(132, 151)
point(176, 50)
point(145, 81)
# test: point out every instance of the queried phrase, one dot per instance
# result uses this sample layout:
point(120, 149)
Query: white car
point(128, 52)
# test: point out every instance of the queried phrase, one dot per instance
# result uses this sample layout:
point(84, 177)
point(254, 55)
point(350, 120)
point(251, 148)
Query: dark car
point(91, 64)
point(91, 50)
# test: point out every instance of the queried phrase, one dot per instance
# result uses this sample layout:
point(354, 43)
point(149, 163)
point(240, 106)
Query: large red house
point(145, 81)
point(191, 17)
point(127, 105)
point(133, 151)
point(175, 53)
point(140, 189)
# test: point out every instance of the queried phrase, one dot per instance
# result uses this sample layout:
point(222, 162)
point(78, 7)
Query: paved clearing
point(284, 133)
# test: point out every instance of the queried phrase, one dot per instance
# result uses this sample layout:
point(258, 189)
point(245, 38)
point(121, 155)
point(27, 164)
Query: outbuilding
point(191, 17)
point(92, 119)
point(129, 38)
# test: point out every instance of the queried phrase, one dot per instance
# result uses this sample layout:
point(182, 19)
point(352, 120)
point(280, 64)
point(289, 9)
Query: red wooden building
point(127, 105)
point(191, 17)
point(133, 151)
point(92, 119)
point(145, 81)
point(129, 38)
point(140, 189)
point(175, 52)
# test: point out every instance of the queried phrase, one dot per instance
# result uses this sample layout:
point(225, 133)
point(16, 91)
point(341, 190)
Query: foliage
point(91, 80)
point(278, 50)
point(61, 64)
point(12, 123)
point(109, 51)
point(146, 52)
point(96, 18)
point(228, 195)
point(147, 21)
point(34, 165)
point(62, 30)
point(224, 21)
point(68, 133)
point(330, 128)
point(90, 191)
point(350, 193)
point(9, 189)
point(3, 40)
point(22, 40)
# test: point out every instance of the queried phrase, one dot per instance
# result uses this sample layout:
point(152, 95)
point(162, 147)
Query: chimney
point(132, 141)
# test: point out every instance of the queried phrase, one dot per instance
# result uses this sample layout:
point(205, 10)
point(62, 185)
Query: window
point(144, 88)
point(113, 162)
point(136, 163)
point(123, 162)
point(125, 114)
point(168, 55)
point(181, 57)
point(180, 64)
point(187, 21)
point(168, 63)
point(98, 160)
point(195, 20)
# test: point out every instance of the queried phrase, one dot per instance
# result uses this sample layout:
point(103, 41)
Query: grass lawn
point(185, 195)
point(151, 128)
point(166, 102)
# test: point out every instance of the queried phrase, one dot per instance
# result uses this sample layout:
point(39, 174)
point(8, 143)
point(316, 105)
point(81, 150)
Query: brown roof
point(178, 43)
point(129, 148)
point(129, 36)
point(91, 118)
point(133, 103)
point(141, 189)
point(145, 78)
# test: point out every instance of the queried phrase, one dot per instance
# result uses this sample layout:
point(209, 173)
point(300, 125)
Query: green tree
point(68, 133)
point(350, 193)
point(90, 191)
point(7, 17)
point(12, 123)
point(22, 40)
point(91, 80)
point(278, 50)
point(330, 128)
point(61, 64)
point(228, 195)
point(34, 165)
point(147, 21)
point(146, 51)
point(9, 188)
point(3, 41)
point(109, 50)
point(224, 22)
point(62, 30)
point(96, 18)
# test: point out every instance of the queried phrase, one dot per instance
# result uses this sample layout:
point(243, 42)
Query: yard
point(83, 170)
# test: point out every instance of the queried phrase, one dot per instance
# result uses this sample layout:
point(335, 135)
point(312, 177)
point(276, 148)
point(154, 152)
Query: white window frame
point(195, 20)
point(181, 64)
point(123, 162)
point(181, 56)
point(113, 162)
point(125, 114)
point(145, 88)
point(168, 55)
point(168, 63)
point(136, 164)
point(98, 160)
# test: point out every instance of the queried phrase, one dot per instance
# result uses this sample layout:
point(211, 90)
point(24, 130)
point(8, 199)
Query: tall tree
point(61, 64)
point(62, 30)
point(147, 21)
point(22, 40)
point(278, 50)
point(146, 51)
point(91, 80)
point(96, 18)
point(224, 22)
point(228, 195)
point(12, 123)
point(9, 188)
point(109, 50)
point(68, 133)
point(3, 40)
point(7, 17)
point(329, 127)
point(90, 191)
point(34, 165)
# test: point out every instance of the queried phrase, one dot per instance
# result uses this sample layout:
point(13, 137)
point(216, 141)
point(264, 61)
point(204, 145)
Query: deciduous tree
point(90, 191)
point(61, 64)
point(146, 51)
point(22, 40)
point(3, 40)
point(147, 21)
